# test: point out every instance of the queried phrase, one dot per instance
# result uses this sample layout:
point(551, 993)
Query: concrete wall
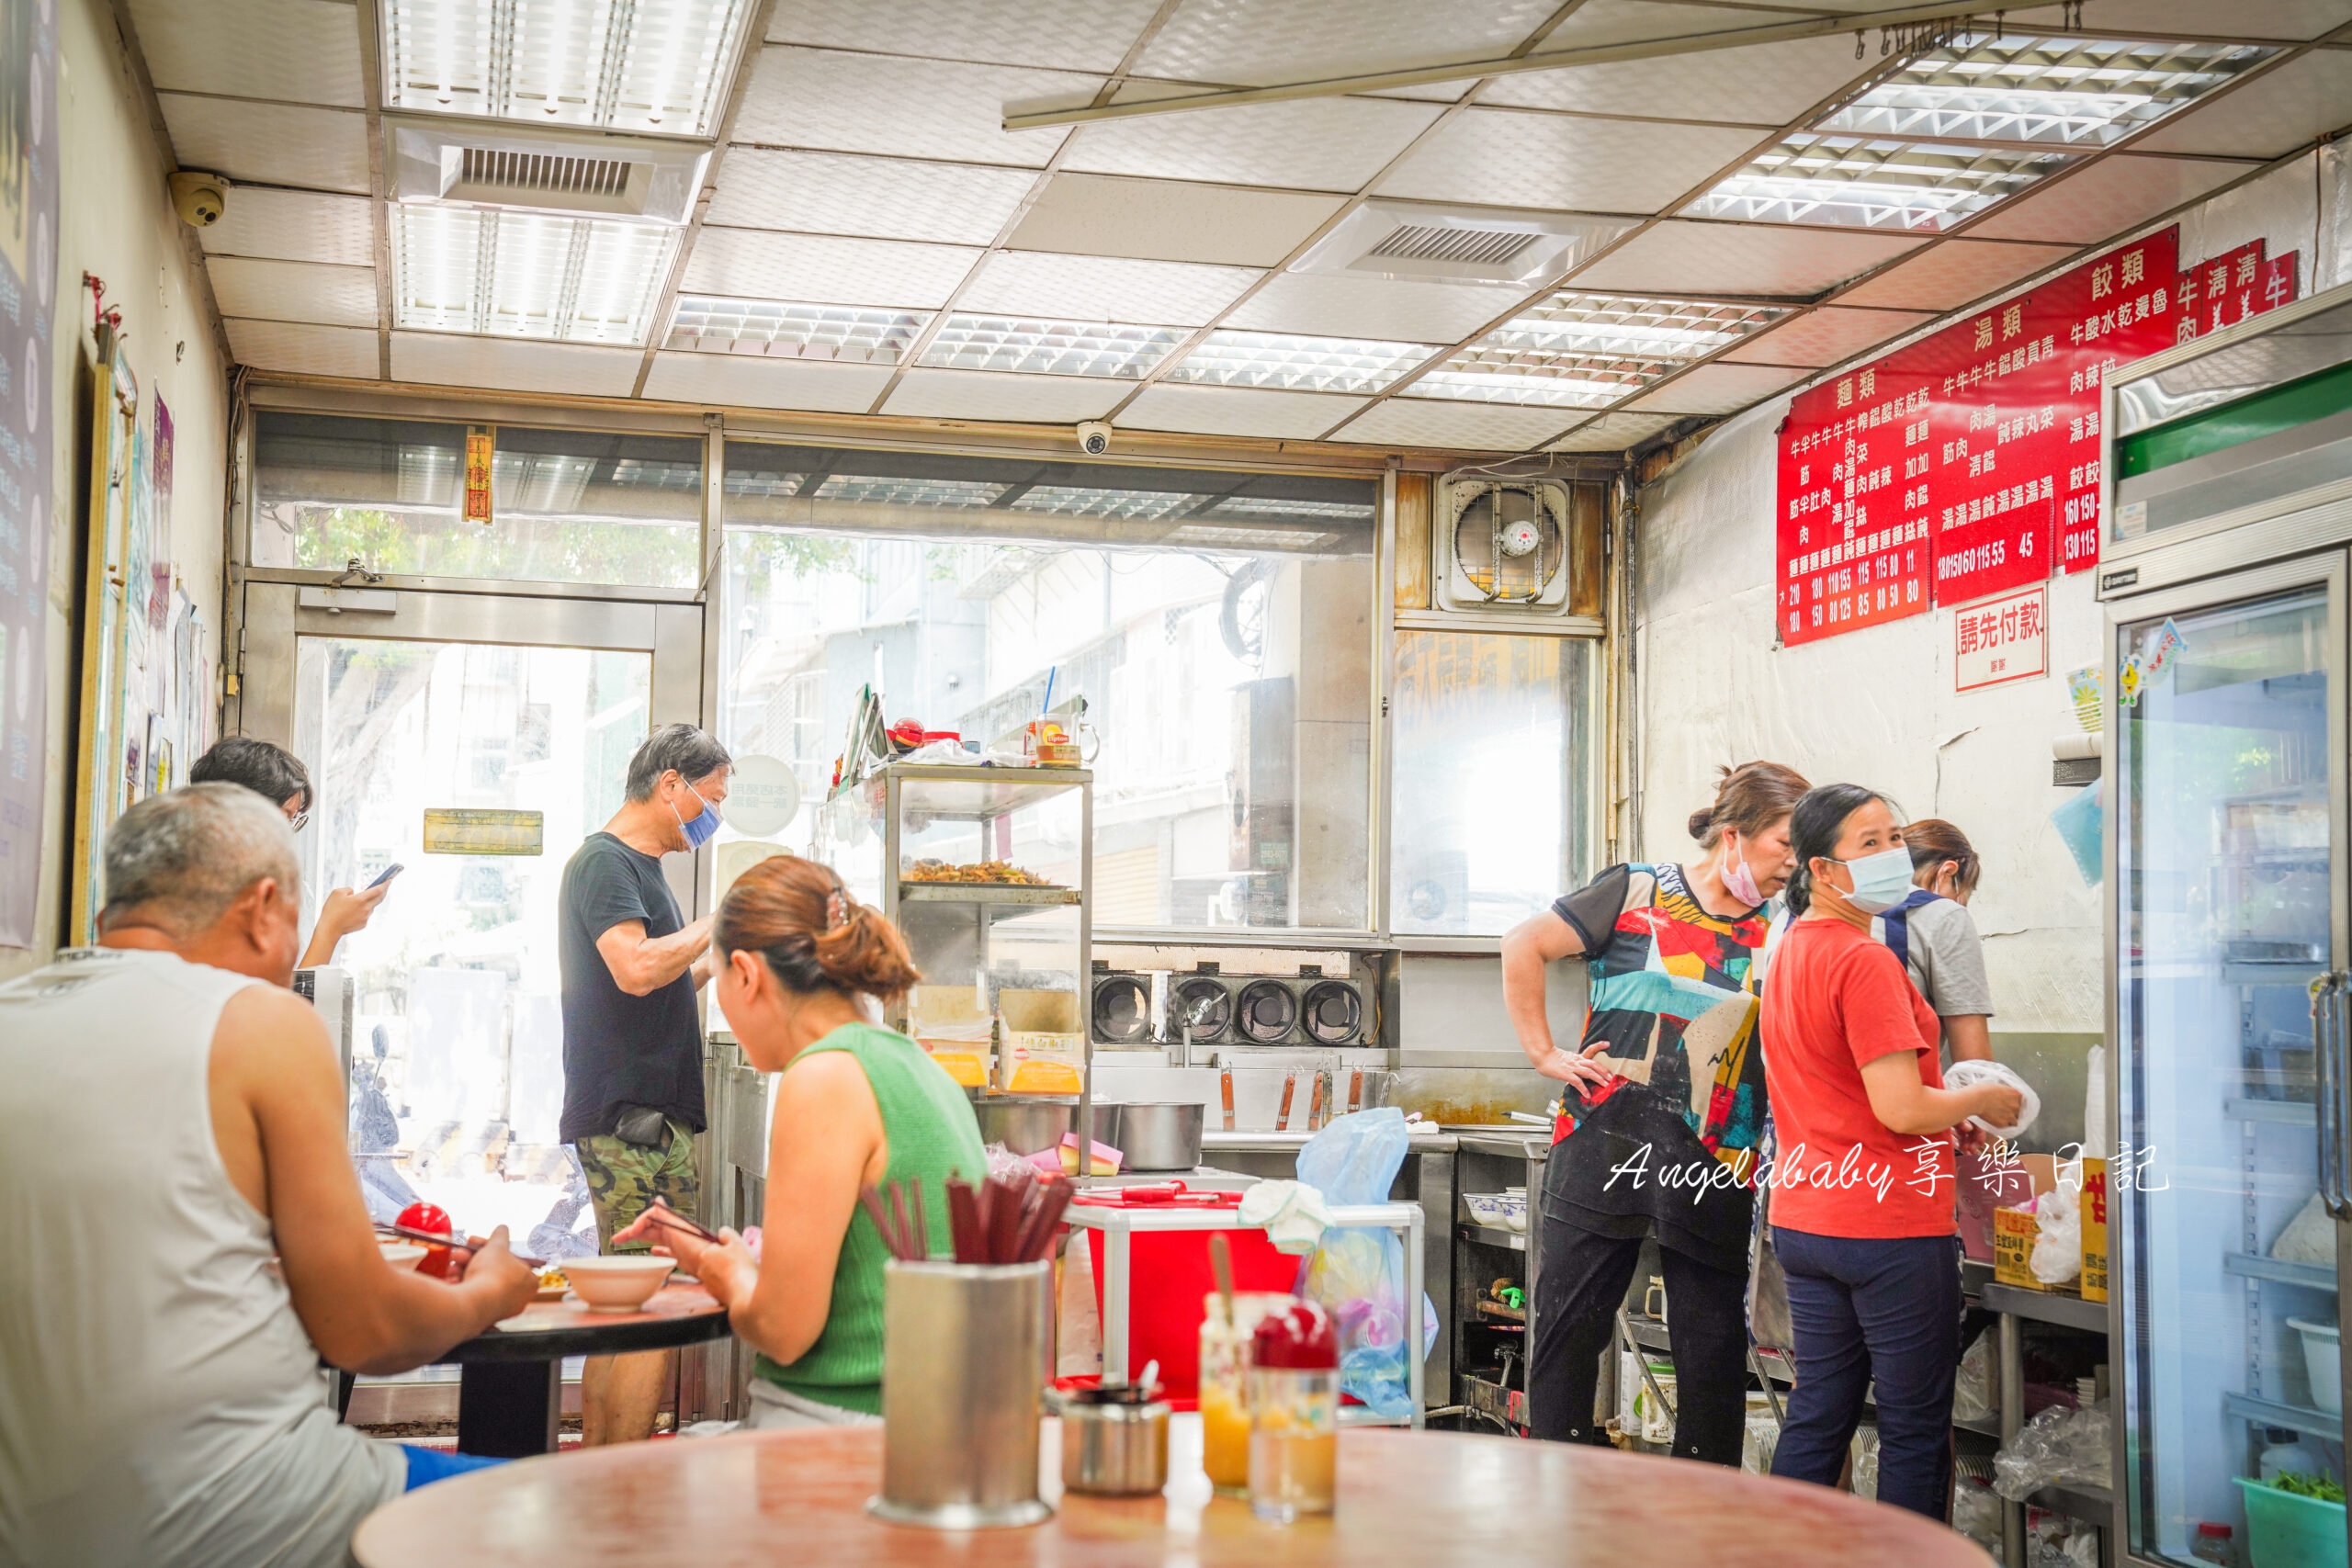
point(115, 219)
point(1877, 706)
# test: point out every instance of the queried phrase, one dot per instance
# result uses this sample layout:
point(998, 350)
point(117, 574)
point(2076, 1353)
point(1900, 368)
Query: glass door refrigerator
point(2227, 506)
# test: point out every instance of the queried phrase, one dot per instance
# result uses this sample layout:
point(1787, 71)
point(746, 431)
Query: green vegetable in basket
point(2305, 1484)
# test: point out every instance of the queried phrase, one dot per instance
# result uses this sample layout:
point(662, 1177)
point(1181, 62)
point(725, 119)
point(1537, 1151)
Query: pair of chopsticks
point(904, 1228)
point(1008, 1218)
point(666, 1215)
point(436, 1238)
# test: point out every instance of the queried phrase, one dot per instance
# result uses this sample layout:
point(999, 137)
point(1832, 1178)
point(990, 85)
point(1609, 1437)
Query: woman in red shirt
point(1862, 1187)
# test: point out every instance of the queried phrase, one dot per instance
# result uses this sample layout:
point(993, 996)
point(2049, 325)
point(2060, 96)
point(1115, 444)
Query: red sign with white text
point(1968, 463)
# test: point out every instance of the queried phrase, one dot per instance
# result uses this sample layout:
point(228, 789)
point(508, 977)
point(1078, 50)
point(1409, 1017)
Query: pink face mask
point(1738, 880)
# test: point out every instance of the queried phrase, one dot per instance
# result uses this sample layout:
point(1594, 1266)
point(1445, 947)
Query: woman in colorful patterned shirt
point(1662, 1114)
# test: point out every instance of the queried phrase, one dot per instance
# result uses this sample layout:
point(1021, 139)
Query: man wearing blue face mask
point(632, 1042)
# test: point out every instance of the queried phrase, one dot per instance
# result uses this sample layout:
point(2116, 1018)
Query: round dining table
point(510, 1382)
point(1405, 1498)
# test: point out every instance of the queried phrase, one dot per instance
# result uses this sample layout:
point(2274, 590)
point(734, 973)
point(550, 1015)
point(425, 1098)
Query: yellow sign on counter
point(2094, 1229)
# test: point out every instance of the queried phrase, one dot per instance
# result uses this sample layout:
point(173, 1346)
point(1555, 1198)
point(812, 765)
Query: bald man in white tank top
point(176, 1122)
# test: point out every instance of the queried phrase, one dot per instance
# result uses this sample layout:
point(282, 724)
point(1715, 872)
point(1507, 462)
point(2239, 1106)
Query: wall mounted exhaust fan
point(1501, 543)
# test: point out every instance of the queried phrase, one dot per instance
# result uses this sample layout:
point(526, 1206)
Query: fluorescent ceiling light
point(885, 491)
point(1275, 506)
point(459, 269)
point(967, 342)
point(1301, 363)
point(1589, 350)
point(2041, 92)
point(662, 66)
point(1873, 182)
point(784, 330)
point(1241, 538)
point(1080, 500)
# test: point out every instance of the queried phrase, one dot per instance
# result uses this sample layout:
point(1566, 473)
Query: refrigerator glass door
point(2225, 742)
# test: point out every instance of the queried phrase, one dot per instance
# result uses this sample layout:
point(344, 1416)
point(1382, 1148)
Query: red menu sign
point(1968, 463)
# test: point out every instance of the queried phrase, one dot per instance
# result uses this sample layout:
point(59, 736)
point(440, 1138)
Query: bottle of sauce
point(1293, 1414)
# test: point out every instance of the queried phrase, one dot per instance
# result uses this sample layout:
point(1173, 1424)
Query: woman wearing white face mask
point(1663, 1111)
point(1863, 1198)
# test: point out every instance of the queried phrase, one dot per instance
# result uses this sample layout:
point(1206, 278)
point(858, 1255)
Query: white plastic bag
point(2057, 1445)
point(1969, 1072)
point(2057, 1256)
point(1976, 1513)
point(1972, 1396)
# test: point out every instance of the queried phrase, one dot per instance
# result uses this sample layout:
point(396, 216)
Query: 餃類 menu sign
point(1968, 463)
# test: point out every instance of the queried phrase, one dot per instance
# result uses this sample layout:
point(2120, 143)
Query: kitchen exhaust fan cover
point(1437, 244)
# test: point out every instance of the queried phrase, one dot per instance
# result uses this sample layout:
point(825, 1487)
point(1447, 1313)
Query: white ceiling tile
point(1104, 289)
point(1762, 84)
point(519, 364)
point(302, 349)
point(1425, 421)
point(1613, 431)
point(2106, 198)
point(1948, 275)
point(1823, 336)
point(1627, 21)
point(2273, 114)
point(271, 143)
point(1098, 215)
point(752, 380)
point(909, 108)
point(1397, 309)
point(307, 50)
point(983, 394)
point(890, 198)
point(1313, 144)
point(1072, 34)
point(1238, 410)
point(1262, 42)
point(294, 291)
point(1684, 257)
point(2270, 19)
point(294, 225)
point(1717, 389)
point(1513, 158)
point(819, 269)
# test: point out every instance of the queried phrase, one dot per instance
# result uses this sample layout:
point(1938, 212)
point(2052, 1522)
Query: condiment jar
point(1114, 1442)
point(1293, 1414)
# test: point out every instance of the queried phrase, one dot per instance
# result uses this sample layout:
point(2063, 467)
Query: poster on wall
point(1967, 462)
point(28, 300)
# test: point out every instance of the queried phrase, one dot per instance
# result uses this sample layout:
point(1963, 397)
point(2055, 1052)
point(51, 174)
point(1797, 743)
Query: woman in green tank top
point(857, 1105)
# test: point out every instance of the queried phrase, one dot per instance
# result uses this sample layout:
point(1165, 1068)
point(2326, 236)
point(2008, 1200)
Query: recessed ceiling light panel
point(1589, 350)
point(2041, 92)
point(967, 342)
point(957, 494)
point(1081, 501)
point(656, 66)
point(851, 333)
point(520, 275)
point(1300, 363)
point(1858, 182)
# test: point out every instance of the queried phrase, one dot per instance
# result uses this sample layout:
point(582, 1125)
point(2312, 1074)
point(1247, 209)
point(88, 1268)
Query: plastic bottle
point(2288, 1453)
point(2213, 1544)
point(1293, 1414)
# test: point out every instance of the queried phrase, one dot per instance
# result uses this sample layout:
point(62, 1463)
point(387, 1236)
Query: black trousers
point(1583, 1283)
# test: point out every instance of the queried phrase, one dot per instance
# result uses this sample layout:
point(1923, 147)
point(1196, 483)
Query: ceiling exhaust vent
point(1459, 244)
point(583, 173)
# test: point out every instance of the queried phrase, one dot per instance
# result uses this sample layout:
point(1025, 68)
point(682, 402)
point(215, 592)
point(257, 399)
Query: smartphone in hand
point(388, 873)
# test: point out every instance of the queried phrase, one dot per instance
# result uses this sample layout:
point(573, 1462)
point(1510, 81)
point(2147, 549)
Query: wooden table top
point(546, 1331)
point(1417, 1498)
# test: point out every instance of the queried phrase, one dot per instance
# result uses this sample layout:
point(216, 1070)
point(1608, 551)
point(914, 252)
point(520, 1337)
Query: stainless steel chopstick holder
point(962, 1376)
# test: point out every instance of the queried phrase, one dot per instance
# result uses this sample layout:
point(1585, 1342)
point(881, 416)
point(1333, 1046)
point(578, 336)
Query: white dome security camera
point(200, 198)
point(1094, 437)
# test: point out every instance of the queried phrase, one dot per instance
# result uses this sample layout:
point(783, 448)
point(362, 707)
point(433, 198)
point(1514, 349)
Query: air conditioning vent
point(1483, 247)
point(578, 173)
point(486, 173)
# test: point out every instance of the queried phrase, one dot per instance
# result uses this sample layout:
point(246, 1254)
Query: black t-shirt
point(619, 1049)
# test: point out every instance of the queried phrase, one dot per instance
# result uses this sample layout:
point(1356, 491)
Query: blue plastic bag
point(1358, 1276)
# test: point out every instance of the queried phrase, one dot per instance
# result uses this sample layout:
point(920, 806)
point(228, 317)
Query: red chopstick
point(671, 1217)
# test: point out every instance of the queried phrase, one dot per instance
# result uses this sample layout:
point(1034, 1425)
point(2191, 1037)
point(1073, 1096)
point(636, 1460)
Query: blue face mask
point(1880, 881)
point(698, 830)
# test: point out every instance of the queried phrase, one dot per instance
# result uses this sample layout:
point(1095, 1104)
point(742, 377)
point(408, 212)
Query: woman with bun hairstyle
point(1862, 1182)
point(856, 1105)
point(1662, 1112)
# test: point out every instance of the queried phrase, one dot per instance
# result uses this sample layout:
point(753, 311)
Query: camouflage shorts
point(624, 1178)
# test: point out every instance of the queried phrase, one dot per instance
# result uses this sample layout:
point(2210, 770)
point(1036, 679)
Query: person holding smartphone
point(277, 775)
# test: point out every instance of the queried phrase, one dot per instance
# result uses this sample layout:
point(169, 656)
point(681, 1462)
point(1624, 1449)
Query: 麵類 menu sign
point(1968, 463)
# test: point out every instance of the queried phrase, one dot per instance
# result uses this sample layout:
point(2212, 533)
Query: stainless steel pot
point(1024, 1126)
point(1163, 1136)
point(1112, 1446)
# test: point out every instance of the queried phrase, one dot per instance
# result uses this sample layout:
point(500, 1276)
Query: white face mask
point(1880, 881)
point(1738, 880)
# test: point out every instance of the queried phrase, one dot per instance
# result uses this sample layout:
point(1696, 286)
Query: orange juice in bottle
point(1223, 1386)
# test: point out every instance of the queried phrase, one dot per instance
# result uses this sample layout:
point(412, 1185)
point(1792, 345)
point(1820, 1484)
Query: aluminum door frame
point(275, 619)
point(2325, 568)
